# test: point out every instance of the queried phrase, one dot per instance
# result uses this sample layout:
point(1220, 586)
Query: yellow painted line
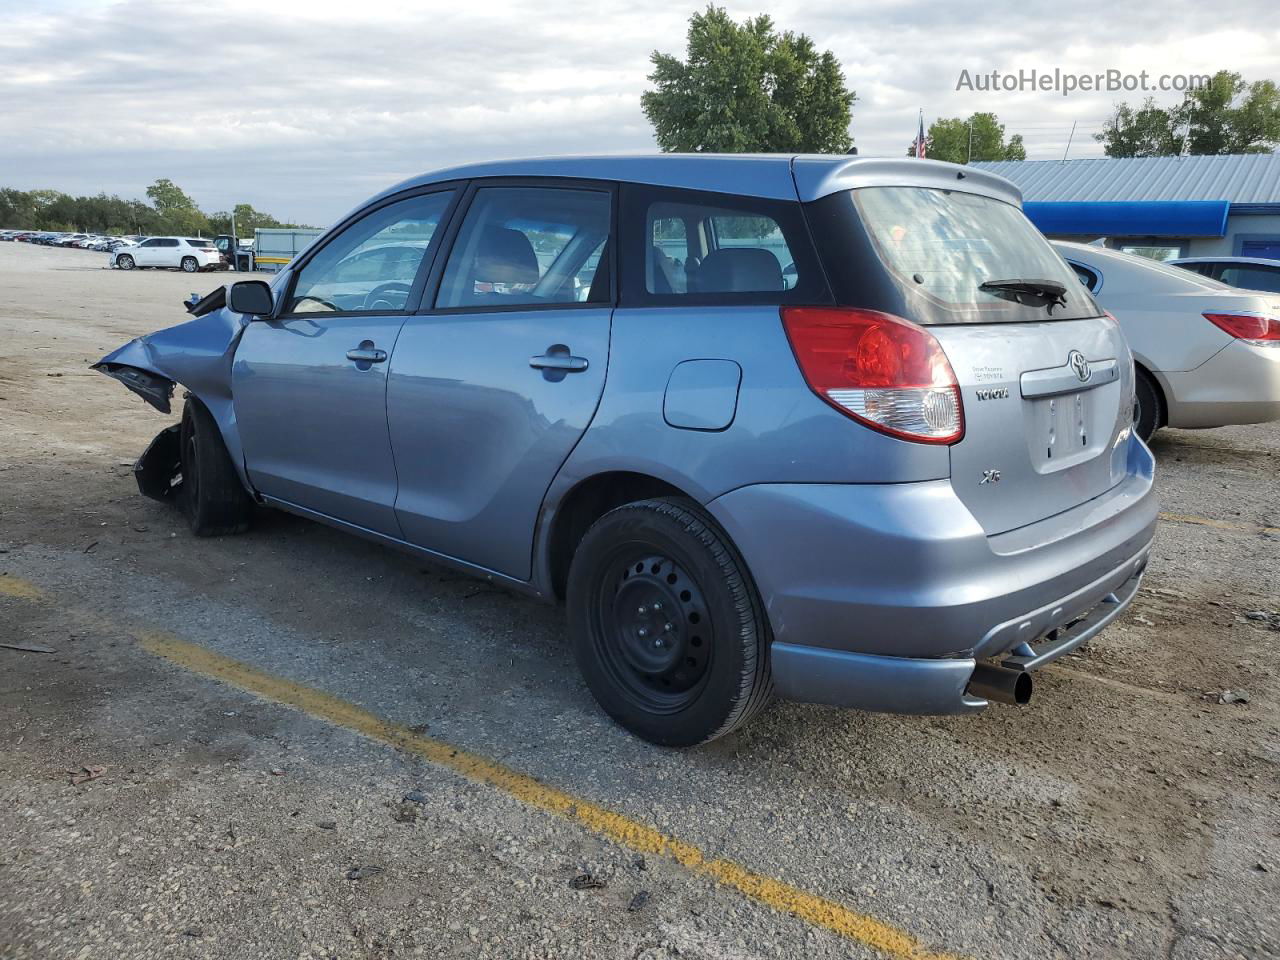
point(20, 589)
point(617, 827)
point(1218, 524)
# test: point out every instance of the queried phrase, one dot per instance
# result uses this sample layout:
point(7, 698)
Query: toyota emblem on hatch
point(1077, 362)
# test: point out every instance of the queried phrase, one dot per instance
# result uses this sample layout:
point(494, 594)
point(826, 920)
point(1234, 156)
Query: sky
point(304, 108)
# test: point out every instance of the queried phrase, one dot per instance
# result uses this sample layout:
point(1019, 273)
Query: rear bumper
point(1238, 384)
point(885, 596)
point(937, 686)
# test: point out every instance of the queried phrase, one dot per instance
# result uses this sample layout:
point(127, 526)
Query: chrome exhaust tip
point(1000, 684)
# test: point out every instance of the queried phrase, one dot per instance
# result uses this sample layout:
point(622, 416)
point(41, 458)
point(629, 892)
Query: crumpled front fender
point(197, 354)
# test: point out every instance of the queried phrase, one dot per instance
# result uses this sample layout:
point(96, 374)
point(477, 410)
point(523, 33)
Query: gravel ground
point(1126, 813)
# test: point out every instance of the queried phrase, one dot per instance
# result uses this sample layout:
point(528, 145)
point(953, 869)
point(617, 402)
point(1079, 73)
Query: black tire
point(190, 265)
point(124, 262)
point(666, 625)
point(1148, 407)
point(212, 497)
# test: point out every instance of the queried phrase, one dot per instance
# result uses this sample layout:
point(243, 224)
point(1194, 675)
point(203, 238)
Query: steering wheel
point(306, 299)
point(377, 298)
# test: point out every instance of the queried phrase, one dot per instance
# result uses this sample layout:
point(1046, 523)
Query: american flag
point(919, 142)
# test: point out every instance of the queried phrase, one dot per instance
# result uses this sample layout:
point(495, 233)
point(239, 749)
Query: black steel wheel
point(212, 497)
point(654, 635)
point(666, 625)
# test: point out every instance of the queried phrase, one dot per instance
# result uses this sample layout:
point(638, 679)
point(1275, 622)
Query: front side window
point(524, 246)
point(370, 267)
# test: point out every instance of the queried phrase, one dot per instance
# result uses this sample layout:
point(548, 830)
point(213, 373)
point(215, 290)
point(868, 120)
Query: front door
point(310, 385)
point(490, 390)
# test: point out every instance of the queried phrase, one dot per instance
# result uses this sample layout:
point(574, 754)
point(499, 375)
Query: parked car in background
point(898, 476)
point(1248, 273)
point(1207, 355)
point(178, 253)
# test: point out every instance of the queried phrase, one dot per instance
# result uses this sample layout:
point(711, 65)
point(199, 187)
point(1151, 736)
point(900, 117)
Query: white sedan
point(179, 253)
point(1207, 355)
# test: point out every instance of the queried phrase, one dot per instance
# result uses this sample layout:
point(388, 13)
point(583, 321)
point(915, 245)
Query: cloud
point(304, 108)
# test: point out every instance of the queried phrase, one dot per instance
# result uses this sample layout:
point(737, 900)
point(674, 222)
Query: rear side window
point(527, 246)
point(1088, 277)
point(685, 246)
point(1251, 277)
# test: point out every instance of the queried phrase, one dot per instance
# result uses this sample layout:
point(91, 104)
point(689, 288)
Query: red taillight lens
point(878, 369)
point(1246, 327)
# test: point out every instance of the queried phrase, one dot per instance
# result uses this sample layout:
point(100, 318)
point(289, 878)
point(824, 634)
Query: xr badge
point(989, 476)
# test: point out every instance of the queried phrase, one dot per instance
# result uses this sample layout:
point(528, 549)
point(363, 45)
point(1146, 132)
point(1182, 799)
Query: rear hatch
point(1045, 378)
point(1044, 406)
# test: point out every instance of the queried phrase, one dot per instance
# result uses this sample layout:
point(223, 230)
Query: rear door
point(166, 252)
point(149, 252)
point(491, 388)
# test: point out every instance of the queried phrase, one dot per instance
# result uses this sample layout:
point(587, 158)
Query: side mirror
point(250, 296)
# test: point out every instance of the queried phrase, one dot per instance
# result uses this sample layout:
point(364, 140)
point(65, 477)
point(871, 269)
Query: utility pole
point(1071, 136)
point(969, 158)
point(235, 242)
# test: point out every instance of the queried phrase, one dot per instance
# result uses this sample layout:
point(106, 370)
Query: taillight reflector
point(878, 369)
point(1246, 327)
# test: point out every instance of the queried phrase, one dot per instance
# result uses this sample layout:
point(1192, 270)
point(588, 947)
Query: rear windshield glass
point(940, 246)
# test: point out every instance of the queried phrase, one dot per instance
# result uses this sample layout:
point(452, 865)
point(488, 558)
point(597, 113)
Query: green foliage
point(247, 220)
point(747, 88)
point(948, 139)
point(1226, 116)
point(171, 211)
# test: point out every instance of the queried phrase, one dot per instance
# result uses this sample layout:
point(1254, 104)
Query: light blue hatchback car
point(844, 430)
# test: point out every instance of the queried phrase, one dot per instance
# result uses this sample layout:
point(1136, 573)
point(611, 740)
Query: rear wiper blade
point(1029, 293)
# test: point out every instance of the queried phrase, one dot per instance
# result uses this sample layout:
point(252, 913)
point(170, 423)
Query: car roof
point(1256, 261)
point(775, 175)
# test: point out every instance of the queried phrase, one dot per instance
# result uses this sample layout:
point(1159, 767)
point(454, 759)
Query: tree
point(173, 212)
point(1225, 116)
point(178, 212)
point(949, 139)
point(1147, 131)
point(747, 88)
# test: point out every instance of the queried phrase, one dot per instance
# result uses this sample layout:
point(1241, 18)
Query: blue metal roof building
point(1176, 206)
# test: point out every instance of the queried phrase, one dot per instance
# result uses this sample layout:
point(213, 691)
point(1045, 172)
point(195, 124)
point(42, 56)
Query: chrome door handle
point(367, 355)
point(559, 361)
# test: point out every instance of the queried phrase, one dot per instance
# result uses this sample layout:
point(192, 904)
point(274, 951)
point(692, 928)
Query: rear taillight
point(1244, 326)
point(878, 369)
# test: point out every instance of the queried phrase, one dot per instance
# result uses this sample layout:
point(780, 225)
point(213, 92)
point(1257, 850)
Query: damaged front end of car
point(196, 354)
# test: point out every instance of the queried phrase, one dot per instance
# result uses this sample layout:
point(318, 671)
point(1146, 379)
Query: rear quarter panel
point(780, 431)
